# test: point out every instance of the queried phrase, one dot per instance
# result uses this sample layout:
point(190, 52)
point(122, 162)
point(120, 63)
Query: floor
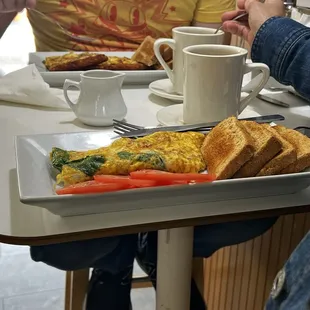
point(24, 284)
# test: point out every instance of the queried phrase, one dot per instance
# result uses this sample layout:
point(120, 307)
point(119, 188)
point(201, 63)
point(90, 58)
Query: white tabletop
point(19, 223)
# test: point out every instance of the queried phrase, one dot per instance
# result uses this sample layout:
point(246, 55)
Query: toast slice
point(227, 148)
point(284, 158)
point(267, 146)
point(74, 61)
point(145, 52)
point(158, 66)
point(302, 145)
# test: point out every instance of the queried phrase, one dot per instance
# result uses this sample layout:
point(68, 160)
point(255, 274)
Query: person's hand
point(7, 6)
point(258, 13)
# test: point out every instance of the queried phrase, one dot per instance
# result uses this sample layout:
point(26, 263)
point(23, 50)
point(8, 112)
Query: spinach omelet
point(166, 151)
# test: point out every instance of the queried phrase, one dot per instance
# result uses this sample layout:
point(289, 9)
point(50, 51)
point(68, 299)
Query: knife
point(201, 127)
point(273, 101)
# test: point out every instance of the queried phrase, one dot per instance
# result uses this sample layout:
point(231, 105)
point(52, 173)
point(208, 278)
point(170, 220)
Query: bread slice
point(267, 146)
point(227, 148)
point(302, 145)
point(145, 52)
point(284, 158)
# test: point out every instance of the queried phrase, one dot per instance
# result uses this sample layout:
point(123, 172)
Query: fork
point(67, 32)
point(128, 130)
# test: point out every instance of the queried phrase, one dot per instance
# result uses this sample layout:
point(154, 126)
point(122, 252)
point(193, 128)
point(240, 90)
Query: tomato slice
point(90, 187)
point(168, 176)
point(126, 180)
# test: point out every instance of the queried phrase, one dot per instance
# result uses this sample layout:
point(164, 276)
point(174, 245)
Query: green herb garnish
point(88, 165)
point(152, 158)
point(125, 155)
point(59, 158)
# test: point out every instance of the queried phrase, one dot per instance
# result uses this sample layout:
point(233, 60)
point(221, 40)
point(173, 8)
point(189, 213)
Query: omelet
point(74, 61)
point(166, 151)
point(121, 64)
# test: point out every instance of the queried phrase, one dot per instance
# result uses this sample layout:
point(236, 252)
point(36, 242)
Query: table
point(29, 225)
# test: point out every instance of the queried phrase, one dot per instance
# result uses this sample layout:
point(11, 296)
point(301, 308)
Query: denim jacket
point(284, 45)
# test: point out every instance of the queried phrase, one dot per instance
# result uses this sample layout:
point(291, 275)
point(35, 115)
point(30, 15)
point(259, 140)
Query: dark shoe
point(109, 292)
point(147, 258)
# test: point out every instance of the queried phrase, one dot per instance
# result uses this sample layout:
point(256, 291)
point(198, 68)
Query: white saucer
point(163, 88)
point(171, 115)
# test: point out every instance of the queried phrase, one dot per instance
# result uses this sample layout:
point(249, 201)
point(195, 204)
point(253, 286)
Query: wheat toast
point(145, 52)
point(301, 144)
point(285, 157)
point(227, 148)
point(267, 146)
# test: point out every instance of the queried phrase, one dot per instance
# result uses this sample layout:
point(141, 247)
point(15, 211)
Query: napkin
point(26, 86)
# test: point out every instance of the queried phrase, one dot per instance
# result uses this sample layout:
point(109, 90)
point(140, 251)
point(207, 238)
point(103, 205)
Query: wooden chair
point(77, 283)
point(240, 277)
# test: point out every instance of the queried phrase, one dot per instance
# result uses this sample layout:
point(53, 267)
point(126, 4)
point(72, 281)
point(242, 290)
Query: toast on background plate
point(227, 148)
point(284, 158)
point(266, 145)
point(74, 61)
point(145, 53)
point(301, 144)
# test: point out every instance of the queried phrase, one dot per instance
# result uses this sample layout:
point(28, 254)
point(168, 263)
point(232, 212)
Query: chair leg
point(76, 289)
point(198, 273)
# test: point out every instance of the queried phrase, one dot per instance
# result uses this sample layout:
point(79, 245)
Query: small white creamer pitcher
point(100, 100)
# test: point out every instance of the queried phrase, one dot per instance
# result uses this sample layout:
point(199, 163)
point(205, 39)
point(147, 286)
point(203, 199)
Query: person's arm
point(5, 20)
point(284, 45)
point(208, 14)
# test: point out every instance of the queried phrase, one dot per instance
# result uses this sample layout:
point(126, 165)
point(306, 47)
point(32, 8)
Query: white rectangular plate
point(36, 180)
point(57, 79)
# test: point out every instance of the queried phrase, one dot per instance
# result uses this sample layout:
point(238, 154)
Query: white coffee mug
point(213, 77)
point(181, 38)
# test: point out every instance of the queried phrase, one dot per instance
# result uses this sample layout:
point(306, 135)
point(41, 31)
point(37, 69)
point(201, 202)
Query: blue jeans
point(114, 256)
point(291, 289)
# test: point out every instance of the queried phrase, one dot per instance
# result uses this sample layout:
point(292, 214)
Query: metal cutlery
point(67, 32)
point(273, 101)
point(128, 130)
point(234, 19)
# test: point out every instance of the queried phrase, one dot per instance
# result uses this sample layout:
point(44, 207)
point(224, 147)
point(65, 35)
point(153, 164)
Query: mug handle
point(158, 43)
point(66, 86)
point(255, 91)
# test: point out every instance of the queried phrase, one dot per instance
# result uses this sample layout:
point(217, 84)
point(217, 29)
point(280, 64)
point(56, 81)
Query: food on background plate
point(142, 59)
point(232, 149)
point(145, 53)
point(73, 61)
point(120, 64)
